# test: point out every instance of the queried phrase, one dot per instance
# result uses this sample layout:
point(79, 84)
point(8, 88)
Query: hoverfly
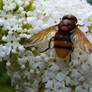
point(66, 36)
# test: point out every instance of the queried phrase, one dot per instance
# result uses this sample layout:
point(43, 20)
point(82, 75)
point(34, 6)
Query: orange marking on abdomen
point(63, 43)
point(62, 53)
point(62, 46)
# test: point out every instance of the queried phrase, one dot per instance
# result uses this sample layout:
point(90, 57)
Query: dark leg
point(71, 55)
point(80, 25)
point(48, 46)
point(70, 58)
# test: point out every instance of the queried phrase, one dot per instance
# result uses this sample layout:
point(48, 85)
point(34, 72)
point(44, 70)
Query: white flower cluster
point(31, 71)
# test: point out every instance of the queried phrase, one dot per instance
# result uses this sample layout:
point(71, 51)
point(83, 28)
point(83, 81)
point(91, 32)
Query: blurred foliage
point(90, 29)
point(27, 26)
point(6, 88)
point(5, 32)
point(1, 4)
point(29, 7)
point(41, 87)
point(5, 82)
point(89, 1)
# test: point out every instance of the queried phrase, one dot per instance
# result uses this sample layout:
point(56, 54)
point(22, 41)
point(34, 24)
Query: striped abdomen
point(63, 45)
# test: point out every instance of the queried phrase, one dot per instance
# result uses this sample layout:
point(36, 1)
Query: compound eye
point(74, 18)
point(65, 17)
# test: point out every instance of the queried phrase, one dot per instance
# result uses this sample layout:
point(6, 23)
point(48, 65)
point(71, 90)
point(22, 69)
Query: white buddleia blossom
point(3, 52)
point(9, 5)
point(31, 71)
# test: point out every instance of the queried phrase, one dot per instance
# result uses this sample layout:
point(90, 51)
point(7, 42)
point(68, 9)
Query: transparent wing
point(80, 41)
point(41, 39)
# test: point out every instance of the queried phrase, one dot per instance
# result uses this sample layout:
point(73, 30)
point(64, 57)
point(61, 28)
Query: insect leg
point(48, 46)
point(80, 25)
point(70, 58)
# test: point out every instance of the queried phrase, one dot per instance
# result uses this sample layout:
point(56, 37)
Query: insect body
point(66, 35)
point(63, 45)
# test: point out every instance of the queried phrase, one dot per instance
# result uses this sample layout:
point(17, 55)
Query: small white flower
point(76, 63)
point(3, 52)
point(25, 84)
point(5, 17)
point(60, 76)
point(54, 67)
point(58, 87)
point(90, 59)
point(22, 66)
point(16, 75)
point(90, 89)
point(75, 74)
point(68, 80)
point(29, 89)
point(24, 58)
point(9, 21)
point(21, 48)
point(80, 89)
point(48, 77)
point(26, 3)
point(85, 68)
point(49, 84)
point(32, 20)
point(12, 25)
point(49, 90)
point(31, 71)
point(9, 5)
point(37, 63)
point(20, 2)
point(21, 9)
point(12, 43)
point(8, 63)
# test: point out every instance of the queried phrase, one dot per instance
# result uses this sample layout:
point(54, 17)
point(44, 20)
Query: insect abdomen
point(63, 45)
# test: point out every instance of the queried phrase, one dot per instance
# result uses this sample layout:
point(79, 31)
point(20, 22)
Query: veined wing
point(41, 39)
point(80, 40)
